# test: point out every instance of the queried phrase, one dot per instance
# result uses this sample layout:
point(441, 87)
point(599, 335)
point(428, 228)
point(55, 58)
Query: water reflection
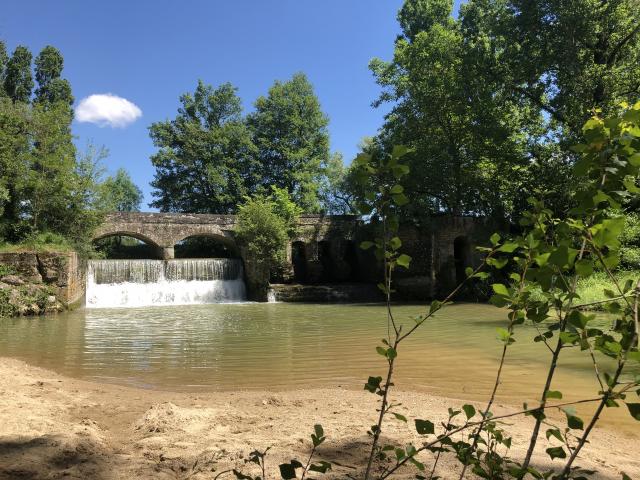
point(281, 346)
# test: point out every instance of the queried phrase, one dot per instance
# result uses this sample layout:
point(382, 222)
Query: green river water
point(279, 346)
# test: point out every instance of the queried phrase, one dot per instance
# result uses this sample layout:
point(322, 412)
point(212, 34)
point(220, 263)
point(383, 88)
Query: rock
point(12, 280)
point(34, 309)
point(51, 299)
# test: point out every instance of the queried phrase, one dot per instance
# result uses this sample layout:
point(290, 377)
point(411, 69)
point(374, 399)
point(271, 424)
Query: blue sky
point(150, 52)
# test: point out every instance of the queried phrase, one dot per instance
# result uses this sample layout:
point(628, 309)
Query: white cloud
point(106, 109)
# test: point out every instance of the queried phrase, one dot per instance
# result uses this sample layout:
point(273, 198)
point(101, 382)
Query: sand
point(56, 427)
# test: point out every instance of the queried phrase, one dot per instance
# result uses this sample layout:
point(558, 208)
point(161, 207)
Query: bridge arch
point(196, 244)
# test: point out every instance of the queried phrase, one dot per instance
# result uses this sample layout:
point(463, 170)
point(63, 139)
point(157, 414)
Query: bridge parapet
point(164, 230)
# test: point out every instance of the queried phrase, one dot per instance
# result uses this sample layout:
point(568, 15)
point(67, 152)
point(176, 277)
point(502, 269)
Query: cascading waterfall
point(139, 283)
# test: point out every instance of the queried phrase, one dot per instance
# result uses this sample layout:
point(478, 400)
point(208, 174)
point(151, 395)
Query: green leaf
point(287, 471)
point(403, 260)
point(625, 476)
point(241, 476)
point(584, 267)
point(634, 410)
point(373, 383)
point(395, 243)
point(397, 189)
point(505, 336)
point(469, 410)
point(554, 432)
point(553, 394)
point(435, 306)
point(494, 239)
point(508, 247)
point(556, 452)
point(497, 262)
point(400, 199)
point(318, 430)
point(424, 427)
point(366, 245)
point(321, 467)
point(500, 289)
point(574, 422)
point(400, 417)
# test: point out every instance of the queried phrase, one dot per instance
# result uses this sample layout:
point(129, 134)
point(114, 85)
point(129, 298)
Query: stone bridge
point(164, 230)
point(325, 247)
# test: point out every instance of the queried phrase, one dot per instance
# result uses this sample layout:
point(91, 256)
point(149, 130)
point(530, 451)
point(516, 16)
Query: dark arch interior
point(351, 259)
point(324, 257)
point(462, 257)
point(203, 246)
point(120, 246)
point(299, 260)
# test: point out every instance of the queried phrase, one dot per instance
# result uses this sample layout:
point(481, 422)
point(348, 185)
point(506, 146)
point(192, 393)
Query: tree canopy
point(290, 132)
point(44, 187)
point(206, 160)
point(210, 157)
point(491, 100)
point(119, 193)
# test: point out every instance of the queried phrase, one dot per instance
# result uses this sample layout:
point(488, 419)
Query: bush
point(265, 225)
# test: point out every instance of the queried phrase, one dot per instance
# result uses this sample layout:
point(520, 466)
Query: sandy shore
point(57, 427)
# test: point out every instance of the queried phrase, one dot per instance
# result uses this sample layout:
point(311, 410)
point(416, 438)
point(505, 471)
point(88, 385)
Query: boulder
point(12, 280)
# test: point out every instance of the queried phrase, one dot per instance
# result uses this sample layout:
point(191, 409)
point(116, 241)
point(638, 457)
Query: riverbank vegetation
point(51, 195)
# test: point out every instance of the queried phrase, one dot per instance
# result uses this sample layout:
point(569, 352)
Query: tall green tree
point(4, 58)
point(462, 134)
point(119, 193)
point(206, 160)
point(44, 187)
point(336, 192)
point(290, 131)
point(503, 88)
point(51, 87)
point(18, 82)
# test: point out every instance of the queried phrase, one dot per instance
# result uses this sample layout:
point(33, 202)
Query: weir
point(140, 283)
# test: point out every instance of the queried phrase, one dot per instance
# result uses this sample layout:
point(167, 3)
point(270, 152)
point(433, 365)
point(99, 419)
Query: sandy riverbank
point(55, 427)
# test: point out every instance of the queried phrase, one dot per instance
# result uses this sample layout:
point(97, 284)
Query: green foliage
point(290, 132)
point(491, 100)
point(118, 193)
point(6, 270)
point(43, 186)
point(18, 79)
point(51, 88)
point(630, 241)
point(336, 193)
point(265, 224)
point(288, 471)
point(206, 159)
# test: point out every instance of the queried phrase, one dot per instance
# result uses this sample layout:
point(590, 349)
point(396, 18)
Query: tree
point(44, 188)
point(503, 88)
point(4, 58)
point(462, 133)
point(206, 162)
point(290, 132)
point(18, 82)
point(120, 194)
point(51, 88)
point(336, 192)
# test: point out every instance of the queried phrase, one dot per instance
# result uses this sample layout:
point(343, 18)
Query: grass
point(44, 242)
point(591, 289)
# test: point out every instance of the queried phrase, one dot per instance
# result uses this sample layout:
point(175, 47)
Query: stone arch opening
point(299, 261)
point(350, 257)
point(461, 256)
point(126, 245)
point(205, 245)
point(326, 261)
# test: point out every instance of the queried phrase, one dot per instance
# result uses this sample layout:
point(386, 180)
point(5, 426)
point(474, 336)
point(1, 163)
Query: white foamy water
point(140, 283)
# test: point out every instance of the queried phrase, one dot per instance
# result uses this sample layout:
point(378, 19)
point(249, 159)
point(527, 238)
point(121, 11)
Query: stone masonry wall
point(40, 282)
